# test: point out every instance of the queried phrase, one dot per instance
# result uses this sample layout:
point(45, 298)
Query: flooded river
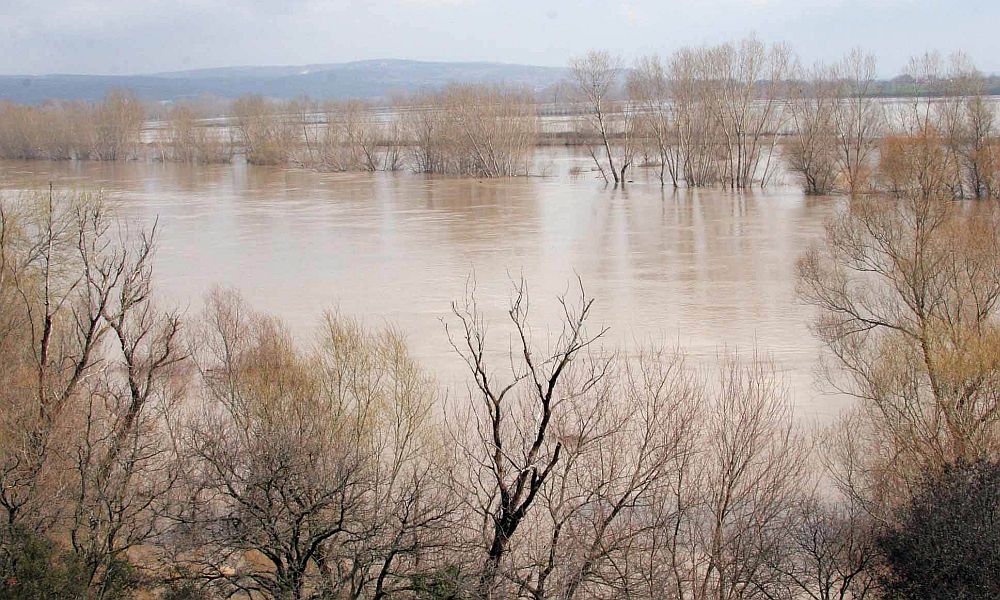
point(706, 269)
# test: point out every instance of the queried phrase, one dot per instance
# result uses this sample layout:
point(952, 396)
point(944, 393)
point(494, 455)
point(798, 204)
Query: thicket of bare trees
point(746, 84)
point(482, 131)
point(268, 134)
point(105, 130)
point(357, 137)
point(657, 121)
point(844, 139)
point(696, 128)
point(596, 475)
point(906, 286)
point(955, 127)
point(732, 115)
point(307, 474)
point(89, 388)
point(472, 130)
point(812, 150)
point(860, 120)
point(187, 139)
point(837, 126)
point(711, 115)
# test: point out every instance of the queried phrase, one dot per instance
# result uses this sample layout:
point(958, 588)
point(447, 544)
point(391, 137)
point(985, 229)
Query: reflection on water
point(705, 268)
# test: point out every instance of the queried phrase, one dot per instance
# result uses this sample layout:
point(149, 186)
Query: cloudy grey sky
point(142, 36)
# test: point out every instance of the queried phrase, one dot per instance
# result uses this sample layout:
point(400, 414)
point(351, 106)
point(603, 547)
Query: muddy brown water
point(707, 269)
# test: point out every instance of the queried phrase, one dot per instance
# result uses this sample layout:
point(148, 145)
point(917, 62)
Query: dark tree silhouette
point(947, 541)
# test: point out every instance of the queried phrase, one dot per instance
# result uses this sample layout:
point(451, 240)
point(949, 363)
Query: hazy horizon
point(121, 38)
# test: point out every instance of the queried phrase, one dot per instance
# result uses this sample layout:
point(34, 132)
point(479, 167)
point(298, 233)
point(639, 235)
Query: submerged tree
point(657, 123)
point(859, 118)
point(607, 125)
point(812, 150)
point(745, 83)
point(477, 130)
point(269, 135)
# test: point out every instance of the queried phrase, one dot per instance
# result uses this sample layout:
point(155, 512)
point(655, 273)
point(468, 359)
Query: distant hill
point(367, 79)
point(370, 79)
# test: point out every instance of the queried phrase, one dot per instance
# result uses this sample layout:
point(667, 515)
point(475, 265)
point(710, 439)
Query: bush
point(447, 583)
point(947, 541)
point(34, 567)
point(185, 591)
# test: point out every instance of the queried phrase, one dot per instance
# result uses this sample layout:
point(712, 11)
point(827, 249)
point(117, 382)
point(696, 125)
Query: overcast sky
point(144, 36)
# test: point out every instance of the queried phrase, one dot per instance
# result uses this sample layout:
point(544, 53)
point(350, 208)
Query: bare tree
point(812, 151)
point(352, 137)
point(516, 445)
point(859, 118)
point(107, 130)
point(595, 78)
point(478, 130)
point(718, 518)
point(966, 122)
point(745, 83)
point(118, 121)
point(496, 128)
point(85, 456)
point(623, 449)
point(907, 288)
point(269, 136)
point(697, 129)
point(754, 470)
point(309, 474)
point(657, 122)
point(125, 467)
point(830, 552)
point(190, 139)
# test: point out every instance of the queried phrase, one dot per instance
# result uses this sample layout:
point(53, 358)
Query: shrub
point(947, 541)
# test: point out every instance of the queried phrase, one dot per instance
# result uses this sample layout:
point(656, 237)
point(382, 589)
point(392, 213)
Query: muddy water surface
point(708, 269)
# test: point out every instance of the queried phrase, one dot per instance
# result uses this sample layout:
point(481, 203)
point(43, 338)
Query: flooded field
point(707, 269)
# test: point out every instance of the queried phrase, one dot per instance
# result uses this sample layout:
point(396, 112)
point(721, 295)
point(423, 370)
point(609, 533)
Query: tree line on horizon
point(733, 115)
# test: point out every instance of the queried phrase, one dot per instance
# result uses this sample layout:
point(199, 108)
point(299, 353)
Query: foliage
point(34, 567)
point(946, 544)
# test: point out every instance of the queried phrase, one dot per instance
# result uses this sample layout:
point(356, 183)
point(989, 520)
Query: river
point(711, 270)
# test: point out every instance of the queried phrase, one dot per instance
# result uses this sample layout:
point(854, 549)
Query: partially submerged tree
point(189, 139)
point(745, 83)
point(607, 124)
point(118, 124)
point(477, 130)
point(269, 136)
point(812, 150)
point(859, 119)
point(658, 121)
